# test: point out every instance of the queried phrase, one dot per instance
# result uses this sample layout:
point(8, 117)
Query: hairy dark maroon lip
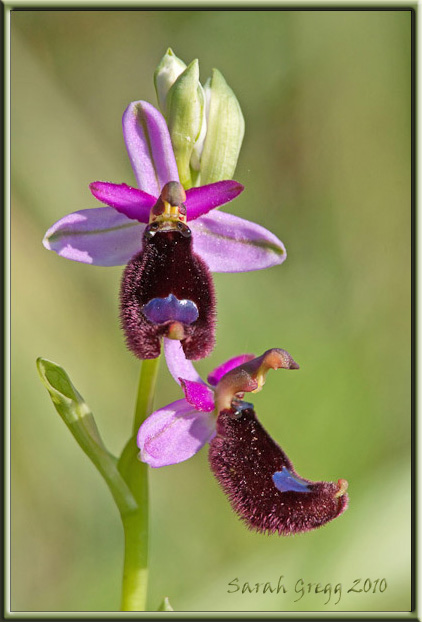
point(167, 264)
point(244, 459)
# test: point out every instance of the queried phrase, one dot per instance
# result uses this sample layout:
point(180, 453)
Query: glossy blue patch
point(160, 310)
point(286, 482)
point(239, 406)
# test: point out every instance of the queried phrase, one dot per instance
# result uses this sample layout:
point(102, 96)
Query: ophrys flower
point(114, 235)
point(252, 469)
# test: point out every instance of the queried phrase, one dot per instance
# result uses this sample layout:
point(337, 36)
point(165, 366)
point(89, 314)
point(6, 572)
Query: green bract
point(225, 130)
point(165, 605)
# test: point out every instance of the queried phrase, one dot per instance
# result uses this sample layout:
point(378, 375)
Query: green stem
point(146, 392)
point(135, 523)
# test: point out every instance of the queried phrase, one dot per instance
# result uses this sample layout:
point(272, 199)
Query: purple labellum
point(168, 270)
point(160, 310)
point(261, 483)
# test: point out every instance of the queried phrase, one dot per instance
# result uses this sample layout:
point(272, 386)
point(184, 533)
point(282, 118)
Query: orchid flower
point(254, 472)
point(118, 234)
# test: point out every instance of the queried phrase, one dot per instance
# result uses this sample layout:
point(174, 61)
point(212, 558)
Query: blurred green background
point(326, 164)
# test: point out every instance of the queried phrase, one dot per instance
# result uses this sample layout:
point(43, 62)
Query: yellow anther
point(174, 211)
point(260, 378)
point(170, 206)
point(171, 213)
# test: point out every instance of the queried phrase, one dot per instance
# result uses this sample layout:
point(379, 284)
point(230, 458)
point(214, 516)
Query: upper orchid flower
point(255, 473)
point(116, 235)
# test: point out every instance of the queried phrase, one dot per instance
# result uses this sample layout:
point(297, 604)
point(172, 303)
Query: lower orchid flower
point(166, 289)
point(254, 472)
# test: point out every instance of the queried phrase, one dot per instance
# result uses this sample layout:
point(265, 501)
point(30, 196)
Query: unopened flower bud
point(166, 74)
point(185, 118)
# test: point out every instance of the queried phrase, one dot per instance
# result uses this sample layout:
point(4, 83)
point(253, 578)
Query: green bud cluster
point(205, 122)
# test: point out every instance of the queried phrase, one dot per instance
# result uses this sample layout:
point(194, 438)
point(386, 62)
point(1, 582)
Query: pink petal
point(177, 363)
point(149, 147)
point(129, 201)
point(231, 244)
point(199, 395)
point(99, 236)
point(215, 376)
point(174, 434)
point(201, 200)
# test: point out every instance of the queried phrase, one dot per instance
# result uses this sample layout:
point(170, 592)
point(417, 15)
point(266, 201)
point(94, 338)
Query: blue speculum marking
point(239, 406)
point(160, 310)
point(287, 482)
